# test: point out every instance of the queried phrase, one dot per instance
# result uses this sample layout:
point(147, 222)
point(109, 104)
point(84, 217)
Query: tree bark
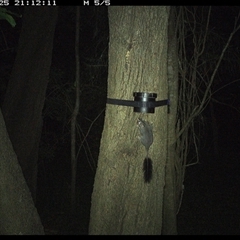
point(17, 212)
point(24, 100)
point(121, 202)
point(170, 198)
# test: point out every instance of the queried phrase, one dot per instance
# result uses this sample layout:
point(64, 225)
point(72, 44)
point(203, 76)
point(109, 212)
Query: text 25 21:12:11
point(35, 3)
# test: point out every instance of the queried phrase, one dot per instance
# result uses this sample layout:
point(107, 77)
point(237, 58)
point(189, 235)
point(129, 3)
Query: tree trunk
point(122, 203)
point(17, 212)
point(170, 200)
point(23, 103)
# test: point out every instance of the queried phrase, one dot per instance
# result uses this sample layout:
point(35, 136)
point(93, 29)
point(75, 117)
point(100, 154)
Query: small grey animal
point(146, 138)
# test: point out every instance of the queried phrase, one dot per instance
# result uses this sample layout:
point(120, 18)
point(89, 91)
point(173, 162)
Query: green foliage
point(5, 14)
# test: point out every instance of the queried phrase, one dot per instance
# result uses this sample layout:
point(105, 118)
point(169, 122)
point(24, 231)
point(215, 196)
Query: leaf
point(4, 15)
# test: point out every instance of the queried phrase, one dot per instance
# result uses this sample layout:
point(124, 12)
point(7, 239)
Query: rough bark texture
point(169, 202)
point(23, 103)
point(17, 212)
point(121, 202)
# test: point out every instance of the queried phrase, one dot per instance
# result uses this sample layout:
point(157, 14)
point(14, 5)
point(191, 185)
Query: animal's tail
point(147, 169)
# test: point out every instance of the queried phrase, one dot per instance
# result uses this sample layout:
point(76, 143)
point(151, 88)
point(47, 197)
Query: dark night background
point(211, 197)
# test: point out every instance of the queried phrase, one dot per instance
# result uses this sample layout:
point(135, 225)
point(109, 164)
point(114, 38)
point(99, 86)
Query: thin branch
point(206, 32)
point(198, 109)
point(74, 115)
point(89, 129)
point(217, 66)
